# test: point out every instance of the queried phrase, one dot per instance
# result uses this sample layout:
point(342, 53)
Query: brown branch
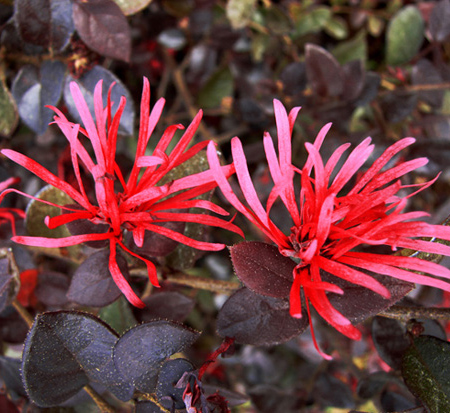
point(23, 312)
point(403, 313)
point(98, 400)
point(193, 281)
point(216, 286)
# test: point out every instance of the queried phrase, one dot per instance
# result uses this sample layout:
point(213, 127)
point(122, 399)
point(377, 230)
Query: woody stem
point(403, 313)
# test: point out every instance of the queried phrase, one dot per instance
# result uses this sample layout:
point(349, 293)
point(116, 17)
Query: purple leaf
point(92, 283)
point(102, 25)
point(390, 340)
point(323, 72)
point(262, 268)
point(51, 288)
point(33, 19)
point(172, 370)
point(438, 23)
point(33, 90)
point(140, 352)
point(45, 23)
point(358, 303)
point(254, 319)
point(354, 79)
point(167, 305)
point(87, 84)
point(76, 346)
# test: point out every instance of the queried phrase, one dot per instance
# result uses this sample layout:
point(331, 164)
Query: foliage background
point(373, 68)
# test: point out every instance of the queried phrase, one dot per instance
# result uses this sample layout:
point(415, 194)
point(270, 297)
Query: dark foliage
point(372, 68)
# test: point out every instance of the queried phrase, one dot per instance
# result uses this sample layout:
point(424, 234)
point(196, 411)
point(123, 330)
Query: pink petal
point(340, 270)
point(60, 242)
point(45, 175)
point(200, 245)
point(245, 182)
point(151, 269)
point(388, 154)
point(88, 122)
point(317, 144)
point(386, 269)
point(120, 280)
point(356, 159)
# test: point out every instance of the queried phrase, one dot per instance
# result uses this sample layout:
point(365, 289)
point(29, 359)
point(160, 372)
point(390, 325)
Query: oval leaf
point(34, 90)
point(9, 115)
point(92, 283)
point(37, 211)
point(390, 340)
point(51, 289)
point(130, 7)
point(254, 319)
point(219, 86)
point(262, 268)
point(439, 18)
point(102, 25)
point(33, 19)
point(87, 84)
point(426, 372)
point(172, 370)
point(359, 303)
point(73, 345)
point(45, 23)
point(323, 71)
point(405, 34)
point(167, 305)
point(140, 352)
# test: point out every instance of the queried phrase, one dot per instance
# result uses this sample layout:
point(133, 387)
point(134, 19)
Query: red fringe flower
point(328, 225)
point(143, 202)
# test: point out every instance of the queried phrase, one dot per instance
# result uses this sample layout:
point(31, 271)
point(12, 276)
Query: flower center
point(304, 250)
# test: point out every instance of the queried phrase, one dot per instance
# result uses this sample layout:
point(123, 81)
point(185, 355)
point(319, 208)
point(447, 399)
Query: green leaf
point(353, 49)
point(337, 28)
point(219, 86)
point(37, 211)
point(118, 315)
point(312, 22)
point(9, 116)
point(130, 7)
point(425, 368)
point(375, 25)
point(405, 34)
point(240, 12)
point(260, 43)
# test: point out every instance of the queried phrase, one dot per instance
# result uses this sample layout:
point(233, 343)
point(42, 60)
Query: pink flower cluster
point(328, 225)
point(142, 203)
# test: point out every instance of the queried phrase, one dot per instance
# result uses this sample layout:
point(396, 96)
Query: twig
point(216, 286)
point(99, 401)
point(23, 312)
point(201, 283)
point(403, 313)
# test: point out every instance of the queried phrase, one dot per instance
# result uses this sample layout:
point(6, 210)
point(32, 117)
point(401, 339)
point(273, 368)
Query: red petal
point(120, 280)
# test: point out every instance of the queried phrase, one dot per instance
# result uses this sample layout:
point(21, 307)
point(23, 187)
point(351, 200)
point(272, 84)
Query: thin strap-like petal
point(120, 280)
point(45, 175)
